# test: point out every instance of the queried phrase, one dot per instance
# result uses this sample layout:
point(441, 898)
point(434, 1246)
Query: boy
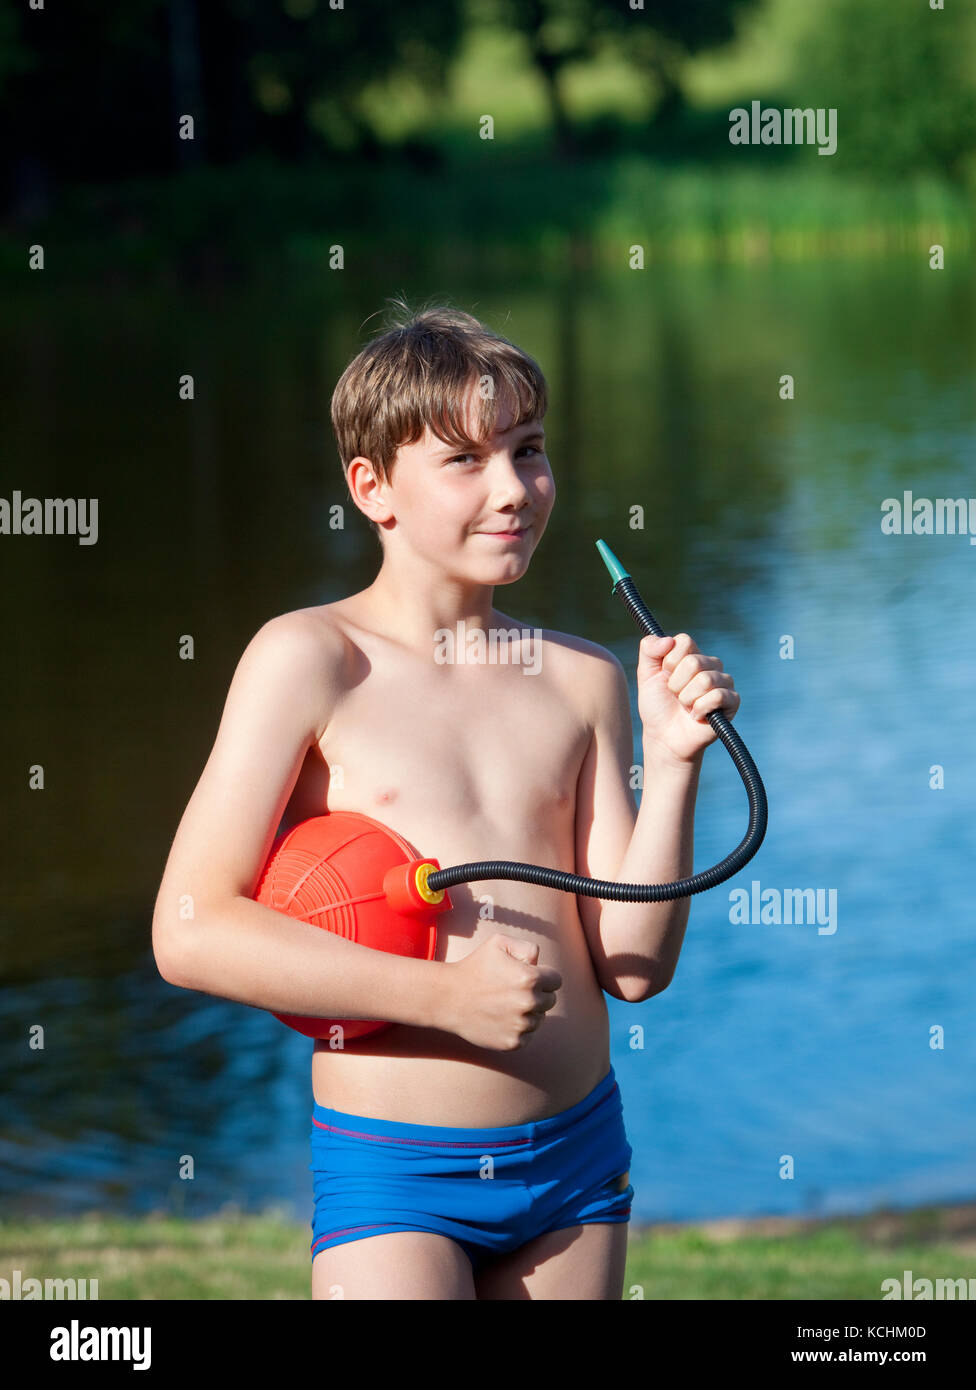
point(476, 1149)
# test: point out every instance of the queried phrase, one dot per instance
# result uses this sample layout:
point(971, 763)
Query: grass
point(235, 1256)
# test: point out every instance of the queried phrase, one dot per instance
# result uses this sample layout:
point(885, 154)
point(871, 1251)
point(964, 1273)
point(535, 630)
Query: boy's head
point(438, 422)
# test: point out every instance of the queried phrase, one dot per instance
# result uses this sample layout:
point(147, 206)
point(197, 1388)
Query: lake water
point(762, 520)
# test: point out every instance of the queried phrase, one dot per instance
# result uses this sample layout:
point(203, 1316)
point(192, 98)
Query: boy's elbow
point(168, 965)
point(169, 953)
point(636, 989)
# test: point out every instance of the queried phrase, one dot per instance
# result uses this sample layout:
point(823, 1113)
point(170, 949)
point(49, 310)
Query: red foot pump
point(355, 877)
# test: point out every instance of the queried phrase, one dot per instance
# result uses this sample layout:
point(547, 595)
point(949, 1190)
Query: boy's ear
point(366, 490)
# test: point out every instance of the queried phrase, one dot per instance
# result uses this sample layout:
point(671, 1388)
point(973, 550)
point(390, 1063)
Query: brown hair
point(417, 373)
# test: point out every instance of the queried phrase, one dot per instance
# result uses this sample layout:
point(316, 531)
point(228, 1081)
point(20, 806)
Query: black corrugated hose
point(636, 892)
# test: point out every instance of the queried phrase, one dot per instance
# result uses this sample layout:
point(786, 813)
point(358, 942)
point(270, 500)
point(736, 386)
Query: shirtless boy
point(476, 1149)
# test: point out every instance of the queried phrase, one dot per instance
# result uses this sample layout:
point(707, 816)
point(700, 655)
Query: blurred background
point(338, 158)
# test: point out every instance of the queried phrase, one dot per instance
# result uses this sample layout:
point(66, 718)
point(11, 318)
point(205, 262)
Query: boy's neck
point(417, 603)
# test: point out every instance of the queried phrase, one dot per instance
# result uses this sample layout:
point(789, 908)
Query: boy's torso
point(466, 762)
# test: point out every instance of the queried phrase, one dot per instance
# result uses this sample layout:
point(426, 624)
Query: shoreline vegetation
point(242, 1256)
point(503, 213)
point(468, 137)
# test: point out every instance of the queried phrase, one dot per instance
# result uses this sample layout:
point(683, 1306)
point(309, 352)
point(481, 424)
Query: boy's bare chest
point(494, 744)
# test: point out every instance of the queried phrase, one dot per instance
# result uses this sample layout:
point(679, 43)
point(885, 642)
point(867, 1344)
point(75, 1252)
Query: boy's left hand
point(677, 688)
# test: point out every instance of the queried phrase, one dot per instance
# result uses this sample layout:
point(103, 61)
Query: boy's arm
point(634, 946)
point(278, 705)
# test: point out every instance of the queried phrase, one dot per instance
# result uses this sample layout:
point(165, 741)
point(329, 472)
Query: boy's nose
point(507, 487)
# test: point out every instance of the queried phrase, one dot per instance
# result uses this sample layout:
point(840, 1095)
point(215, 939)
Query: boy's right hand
point(498, 994)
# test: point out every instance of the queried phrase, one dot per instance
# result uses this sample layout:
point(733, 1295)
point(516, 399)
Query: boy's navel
point(384, 795)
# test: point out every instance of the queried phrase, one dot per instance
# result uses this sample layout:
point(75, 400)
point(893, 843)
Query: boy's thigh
point(578, 1262)
point(397, 1265)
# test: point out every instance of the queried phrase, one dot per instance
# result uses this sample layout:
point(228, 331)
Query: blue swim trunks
point(491, 1190)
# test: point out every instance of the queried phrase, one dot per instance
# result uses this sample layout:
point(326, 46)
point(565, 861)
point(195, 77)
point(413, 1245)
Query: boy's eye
point(460, 457)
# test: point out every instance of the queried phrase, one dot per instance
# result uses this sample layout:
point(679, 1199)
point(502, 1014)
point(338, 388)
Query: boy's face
point(478, 512)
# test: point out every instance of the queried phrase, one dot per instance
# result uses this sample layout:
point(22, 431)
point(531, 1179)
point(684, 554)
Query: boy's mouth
point(509, 534)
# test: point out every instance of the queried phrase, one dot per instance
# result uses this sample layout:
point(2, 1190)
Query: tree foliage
point(95, 90)
point(654, 39)
point(902, 78)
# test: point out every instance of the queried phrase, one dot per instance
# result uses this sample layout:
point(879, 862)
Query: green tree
point(92, 91)
point(14, 57)
point(902, 78)
point(655, 39)
point(307, 64)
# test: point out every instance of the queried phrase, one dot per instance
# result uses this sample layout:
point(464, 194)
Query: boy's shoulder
point(307, 629)
point(303, 641)
point(577, 652)
point(590, 673)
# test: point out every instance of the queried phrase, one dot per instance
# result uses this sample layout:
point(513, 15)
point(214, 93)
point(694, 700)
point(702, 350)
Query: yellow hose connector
point(424, 872)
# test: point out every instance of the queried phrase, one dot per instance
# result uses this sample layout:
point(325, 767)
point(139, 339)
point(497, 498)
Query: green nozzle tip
point(617, 571)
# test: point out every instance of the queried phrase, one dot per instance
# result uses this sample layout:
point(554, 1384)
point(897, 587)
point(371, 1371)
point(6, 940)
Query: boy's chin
point(505, 569)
